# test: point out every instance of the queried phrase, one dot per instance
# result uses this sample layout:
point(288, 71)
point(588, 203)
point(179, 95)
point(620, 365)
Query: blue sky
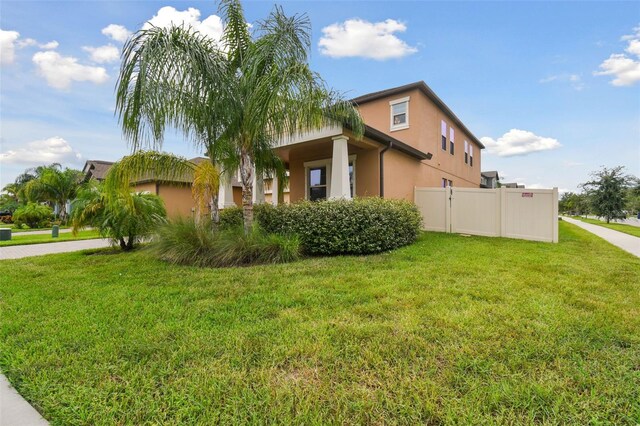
point(552, 87)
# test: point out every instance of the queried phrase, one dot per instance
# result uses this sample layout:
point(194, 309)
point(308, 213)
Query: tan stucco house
point(412, 138)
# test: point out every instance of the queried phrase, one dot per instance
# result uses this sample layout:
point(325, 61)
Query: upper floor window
point(443, 135)
point(444, 182)
point(399, 113)
point(451, 140)
point(466, 152)
point(471, 155)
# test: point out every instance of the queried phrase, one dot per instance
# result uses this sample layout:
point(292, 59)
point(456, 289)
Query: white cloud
point(116, 32)
point(8, 46)
point(61, 71)
point(519, 142)
point(48, 46)
point(360, 38)
point(573, 79)
point(625, 69)
point(103, 54)
point(168, 16)
point(51, 150)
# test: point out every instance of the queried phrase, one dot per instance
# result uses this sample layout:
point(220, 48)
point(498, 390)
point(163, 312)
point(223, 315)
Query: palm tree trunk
point(246, 175)
point(215, 210)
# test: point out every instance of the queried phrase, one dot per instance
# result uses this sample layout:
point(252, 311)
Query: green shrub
point(231, 217)
point(187, 242)
point(359, 226)
point(34, 215)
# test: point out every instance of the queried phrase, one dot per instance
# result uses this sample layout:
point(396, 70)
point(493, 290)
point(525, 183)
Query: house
point(411, 138)
point(96, 169)
point(489, 179)
point(512, 185)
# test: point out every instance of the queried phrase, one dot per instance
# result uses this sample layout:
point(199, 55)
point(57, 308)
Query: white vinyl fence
point(528, 214)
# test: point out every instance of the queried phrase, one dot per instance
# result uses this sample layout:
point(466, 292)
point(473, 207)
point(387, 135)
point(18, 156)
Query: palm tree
point(234, 98)
point(169, 167)
point(125, 218)
point(55, 186)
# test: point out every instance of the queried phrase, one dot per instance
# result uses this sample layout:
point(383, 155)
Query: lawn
point(450, 330)
point(627, 229)
point(26, 229)
point(24, 239)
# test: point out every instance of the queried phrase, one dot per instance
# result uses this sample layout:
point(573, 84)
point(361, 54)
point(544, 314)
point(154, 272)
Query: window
point(466, 152)
point(444, 183)
point(399, 113)
point(471, 155)
point(317, 179)
point(443, 133)
point(450, 183)
point(451, 138)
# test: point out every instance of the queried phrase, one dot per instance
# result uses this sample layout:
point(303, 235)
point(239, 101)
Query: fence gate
point(530, 214)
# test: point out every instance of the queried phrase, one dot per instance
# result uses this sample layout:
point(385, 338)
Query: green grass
point(449, 330)
point(26, 229)
point(18, 239)
point(627, 229)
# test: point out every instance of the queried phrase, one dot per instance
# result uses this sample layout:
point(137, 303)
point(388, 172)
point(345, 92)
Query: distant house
point(511, 185)
point(96, 169)
point(489, 179)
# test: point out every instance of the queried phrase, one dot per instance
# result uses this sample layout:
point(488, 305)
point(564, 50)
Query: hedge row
point(359, 226)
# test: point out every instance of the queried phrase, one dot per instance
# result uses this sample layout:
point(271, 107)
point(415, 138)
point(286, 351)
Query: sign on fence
point(530, 214)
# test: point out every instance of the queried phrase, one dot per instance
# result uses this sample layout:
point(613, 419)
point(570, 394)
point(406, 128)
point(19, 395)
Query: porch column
point(225, 193)
point(340, 169)
point(258, 188)
point(274, 190)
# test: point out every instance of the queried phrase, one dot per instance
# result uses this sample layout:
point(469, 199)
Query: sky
point(551, 88)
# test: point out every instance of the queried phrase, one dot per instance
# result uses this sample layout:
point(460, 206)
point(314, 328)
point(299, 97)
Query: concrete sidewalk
point(626, 242)
point(18, 252)
point(14, 410)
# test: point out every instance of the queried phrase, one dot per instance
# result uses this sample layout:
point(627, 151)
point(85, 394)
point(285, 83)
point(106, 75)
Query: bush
point(359, 226)
point(187, 242)
point(33, 214)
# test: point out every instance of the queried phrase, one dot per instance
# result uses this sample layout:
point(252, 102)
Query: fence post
point(503, 211)
point(448, 194)
point(554, 213)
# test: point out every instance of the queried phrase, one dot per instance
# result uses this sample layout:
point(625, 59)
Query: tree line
point(610, 194)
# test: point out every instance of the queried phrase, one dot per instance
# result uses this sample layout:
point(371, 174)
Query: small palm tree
point(167, 167)
point(235, 98)
point(125, 218)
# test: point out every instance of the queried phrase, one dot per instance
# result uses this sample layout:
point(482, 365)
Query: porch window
point(318, 178)
point(399, 113)
point(317, 183)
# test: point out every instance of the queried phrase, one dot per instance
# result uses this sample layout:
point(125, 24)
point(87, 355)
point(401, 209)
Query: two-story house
point(412, 138)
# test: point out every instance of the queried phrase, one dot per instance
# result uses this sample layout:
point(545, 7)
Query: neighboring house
point(411, 139)
point(96, 169)
point(489, 179)
point(511, 185)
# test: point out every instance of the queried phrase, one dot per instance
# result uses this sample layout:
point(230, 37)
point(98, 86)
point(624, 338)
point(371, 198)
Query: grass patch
point(15, 230)
point(449, 330)
point(17, 240)
point(621, 227)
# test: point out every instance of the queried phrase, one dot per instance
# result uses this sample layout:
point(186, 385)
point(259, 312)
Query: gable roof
point(96, 169)
point(492, 174)
point(422, 86)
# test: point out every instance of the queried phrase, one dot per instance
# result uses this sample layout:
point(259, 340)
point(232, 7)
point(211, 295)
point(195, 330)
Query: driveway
point(18, 252)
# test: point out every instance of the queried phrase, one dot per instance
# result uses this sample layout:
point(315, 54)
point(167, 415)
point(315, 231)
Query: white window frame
point(403, 125)
point(326, 162)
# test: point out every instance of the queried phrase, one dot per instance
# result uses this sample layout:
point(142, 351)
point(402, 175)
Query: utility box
point(55, 231)
point(5, 234)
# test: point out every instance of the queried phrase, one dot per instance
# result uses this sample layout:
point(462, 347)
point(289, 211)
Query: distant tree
point(633, 197)
point(56, 187)
point(35, 215)
point(573, 203)
point(607, 191)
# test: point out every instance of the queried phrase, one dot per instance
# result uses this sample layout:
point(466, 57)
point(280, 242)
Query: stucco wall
point(177, 199)
point(424, 133)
